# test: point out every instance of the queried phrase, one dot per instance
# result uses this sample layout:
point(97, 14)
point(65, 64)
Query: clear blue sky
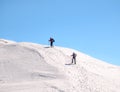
point(90, 26)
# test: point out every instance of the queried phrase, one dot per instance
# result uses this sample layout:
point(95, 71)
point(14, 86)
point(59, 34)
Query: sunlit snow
point(30, 67)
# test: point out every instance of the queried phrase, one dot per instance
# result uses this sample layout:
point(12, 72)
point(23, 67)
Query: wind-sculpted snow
point(29, 67)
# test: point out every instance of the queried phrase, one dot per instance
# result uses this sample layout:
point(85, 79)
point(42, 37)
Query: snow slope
point(30, 67)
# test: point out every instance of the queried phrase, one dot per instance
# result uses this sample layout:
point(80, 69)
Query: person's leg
point(74, 60)
point(51, 44)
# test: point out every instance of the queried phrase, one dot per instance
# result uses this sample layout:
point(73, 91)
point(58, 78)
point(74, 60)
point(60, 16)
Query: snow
point(30, 67)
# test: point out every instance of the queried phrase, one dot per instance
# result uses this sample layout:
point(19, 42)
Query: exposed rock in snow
point(29, 67)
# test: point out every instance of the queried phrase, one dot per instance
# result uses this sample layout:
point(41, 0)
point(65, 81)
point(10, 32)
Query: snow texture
point(30, 67)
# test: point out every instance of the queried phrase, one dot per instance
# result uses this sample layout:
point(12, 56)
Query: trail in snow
point(28, 67)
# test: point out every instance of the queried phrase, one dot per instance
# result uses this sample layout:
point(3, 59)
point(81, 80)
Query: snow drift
point(29, 67)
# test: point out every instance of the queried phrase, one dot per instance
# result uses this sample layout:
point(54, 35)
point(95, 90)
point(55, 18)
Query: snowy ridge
point(30, 67)
point(3, 41)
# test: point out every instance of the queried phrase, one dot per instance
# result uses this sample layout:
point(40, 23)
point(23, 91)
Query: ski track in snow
point(29, 67)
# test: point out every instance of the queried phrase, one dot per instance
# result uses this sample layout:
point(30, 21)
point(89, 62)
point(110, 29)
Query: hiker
point(74, 57)
point(51, 42)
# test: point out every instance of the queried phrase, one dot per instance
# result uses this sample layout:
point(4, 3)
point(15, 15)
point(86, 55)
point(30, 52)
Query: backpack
point(53, 40)
point(74, 54)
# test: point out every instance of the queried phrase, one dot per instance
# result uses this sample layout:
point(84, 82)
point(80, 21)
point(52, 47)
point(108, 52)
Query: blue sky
point(90, 26)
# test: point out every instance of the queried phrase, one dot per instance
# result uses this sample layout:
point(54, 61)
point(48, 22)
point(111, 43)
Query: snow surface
point(30, 67)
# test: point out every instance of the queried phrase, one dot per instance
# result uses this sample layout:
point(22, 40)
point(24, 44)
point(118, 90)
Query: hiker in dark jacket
point(74, 57)
point(51, 42)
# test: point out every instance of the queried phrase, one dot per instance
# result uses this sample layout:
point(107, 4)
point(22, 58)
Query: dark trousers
point(74, 60)
point(51, 44)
